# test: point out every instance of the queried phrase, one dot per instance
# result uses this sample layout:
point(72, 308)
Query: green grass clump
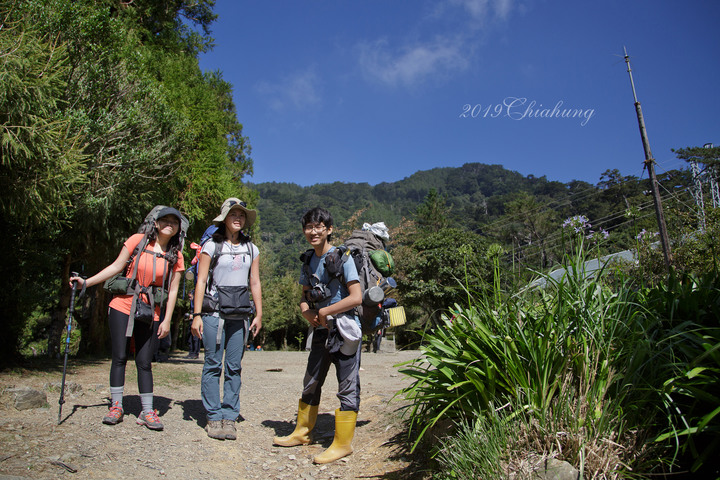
point(618, 381)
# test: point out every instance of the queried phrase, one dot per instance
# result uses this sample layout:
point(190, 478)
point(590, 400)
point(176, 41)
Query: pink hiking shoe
point(114, 415)
point(150, 420)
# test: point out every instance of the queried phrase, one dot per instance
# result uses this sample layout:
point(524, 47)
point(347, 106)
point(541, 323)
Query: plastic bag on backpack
point(378, 229)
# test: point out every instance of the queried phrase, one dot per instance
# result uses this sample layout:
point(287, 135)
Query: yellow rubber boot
point(306, 417)
point(342, 443)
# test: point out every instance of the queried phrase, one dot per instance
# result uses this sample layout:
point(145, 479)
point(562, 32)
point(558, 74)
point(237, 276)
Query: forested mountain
point(475, 193)
point(522, 213)
point(451, 227)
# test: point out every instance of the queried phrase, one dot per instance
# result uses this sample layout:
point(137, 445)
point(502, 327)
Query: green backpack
point(383, 261)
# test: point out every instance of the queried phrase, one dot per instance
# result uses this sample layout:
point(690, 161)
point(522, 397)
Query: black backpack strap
point(134, 257)
point(167, 273)
point(335, 260)
point(150, 290)
point(213, 263)
point(305, 258)
point(216, 258)
point(252, 257)
point(164, 288)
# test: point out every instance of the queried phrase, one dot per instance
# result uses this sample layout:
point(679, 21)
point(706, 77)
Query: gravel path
point(34, 446)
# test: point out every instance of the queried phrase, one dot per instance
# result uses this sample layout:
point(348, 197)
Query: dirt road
point(34, 446)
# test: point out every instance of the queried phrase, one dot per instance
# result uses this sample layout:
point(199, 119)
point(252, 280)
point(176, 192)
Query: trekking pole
point(71, 311)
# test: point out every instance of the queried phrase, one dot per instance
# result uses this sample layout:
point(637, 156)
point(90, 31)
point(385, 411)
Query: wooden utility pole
point(650, 165)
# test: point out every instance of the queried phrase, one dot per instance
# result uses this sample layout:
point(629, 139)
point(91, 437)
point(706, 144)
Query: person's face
point(316, 233)
point(235, 220)
point(168, 225)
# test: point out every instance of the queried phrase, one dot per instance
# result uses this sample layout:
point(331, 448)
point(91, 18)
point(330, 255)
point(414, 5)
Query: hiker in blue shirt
point(328, 305)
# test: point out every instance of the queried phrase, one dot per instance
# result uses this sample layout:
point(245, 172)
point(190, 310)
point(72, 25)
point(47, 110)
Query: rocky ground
point(35, 446)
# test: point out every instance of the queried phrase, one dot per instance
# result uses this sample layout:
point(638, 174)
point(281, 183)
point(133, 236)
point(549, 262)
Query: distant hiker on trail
point(328, 306)
point(194, 344)
point(377, 339)
point(154, 262)
point(223, 313)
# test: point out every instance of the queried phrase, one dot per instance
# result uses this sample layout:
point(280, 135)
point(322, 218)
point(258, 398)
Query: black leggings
point(145, 345)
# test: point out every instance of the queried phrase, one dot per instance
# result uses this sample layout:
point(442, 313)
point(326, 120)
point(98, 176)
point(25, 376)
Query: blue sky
point(375, 90)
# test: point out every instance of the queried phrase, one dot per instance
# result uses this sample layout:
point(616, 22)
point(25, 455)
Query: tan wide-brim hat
point(231, 203)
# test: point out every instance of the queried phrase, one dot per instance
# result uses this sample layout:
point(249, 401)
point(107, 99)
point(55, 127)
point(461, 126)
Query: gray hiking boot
point(215, 429)
point(228, 427)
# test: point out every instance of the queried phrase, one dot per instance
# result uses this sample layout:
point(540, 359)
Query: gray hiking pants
point(347, 369)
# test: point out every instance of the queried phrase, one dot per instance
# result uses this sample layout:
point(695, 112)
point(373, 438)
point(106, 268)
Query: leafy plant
point(558, 358)
point(690, 309)
point(477, 450)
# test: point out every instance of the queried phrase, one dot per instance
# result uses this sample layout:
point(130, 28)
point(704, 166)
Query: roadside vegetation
point(528, 349)
point(617, 375)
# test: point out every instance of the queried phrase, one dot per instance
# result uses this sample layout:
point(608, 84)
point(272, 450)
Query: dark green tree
point(282, 320)
point(708, 156)
point(437, 269)
point(41, 168)
point(528, 223)
point(433, 213)
point(138, 124)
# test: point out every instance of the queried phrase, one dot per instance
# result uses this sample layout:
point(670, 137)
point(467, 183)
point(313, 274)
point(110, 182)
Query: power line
point(577, 197)
point(554, 239)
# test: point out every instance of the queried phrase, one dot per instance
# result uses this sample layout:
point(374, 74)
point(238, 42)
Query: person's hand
point(197, 326)
point(311, 316)
point(80, 281)
point(164, 328)
point(322, 318)
point(255, 326)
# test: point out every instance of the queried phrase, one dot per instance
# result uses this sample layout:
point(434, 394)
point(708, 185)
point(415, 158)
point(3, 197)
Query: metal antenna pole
point(650, 165)
point(712, 175)
point(698, 193)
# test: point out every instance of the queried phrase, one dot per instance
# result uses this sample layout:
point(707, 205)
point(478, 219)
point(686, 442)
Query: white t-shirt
point(233, 266)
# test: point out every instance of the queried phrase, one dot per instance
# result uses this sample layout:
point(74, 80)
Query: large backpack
point(127, 285)
point(374, 285)
point(207, 235)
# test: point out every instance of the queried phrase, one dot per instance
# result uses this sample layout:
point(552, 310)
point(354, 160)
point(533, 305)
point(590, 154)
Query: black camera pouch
point(144, 312)
point(234, 301)
point(335, 259)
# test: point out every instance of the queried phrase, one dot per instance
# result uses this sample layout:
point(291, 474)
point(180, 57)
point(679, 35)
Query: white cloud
point(413, 63)
point(481, 10)
point(298, 91)
point(443, 55)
